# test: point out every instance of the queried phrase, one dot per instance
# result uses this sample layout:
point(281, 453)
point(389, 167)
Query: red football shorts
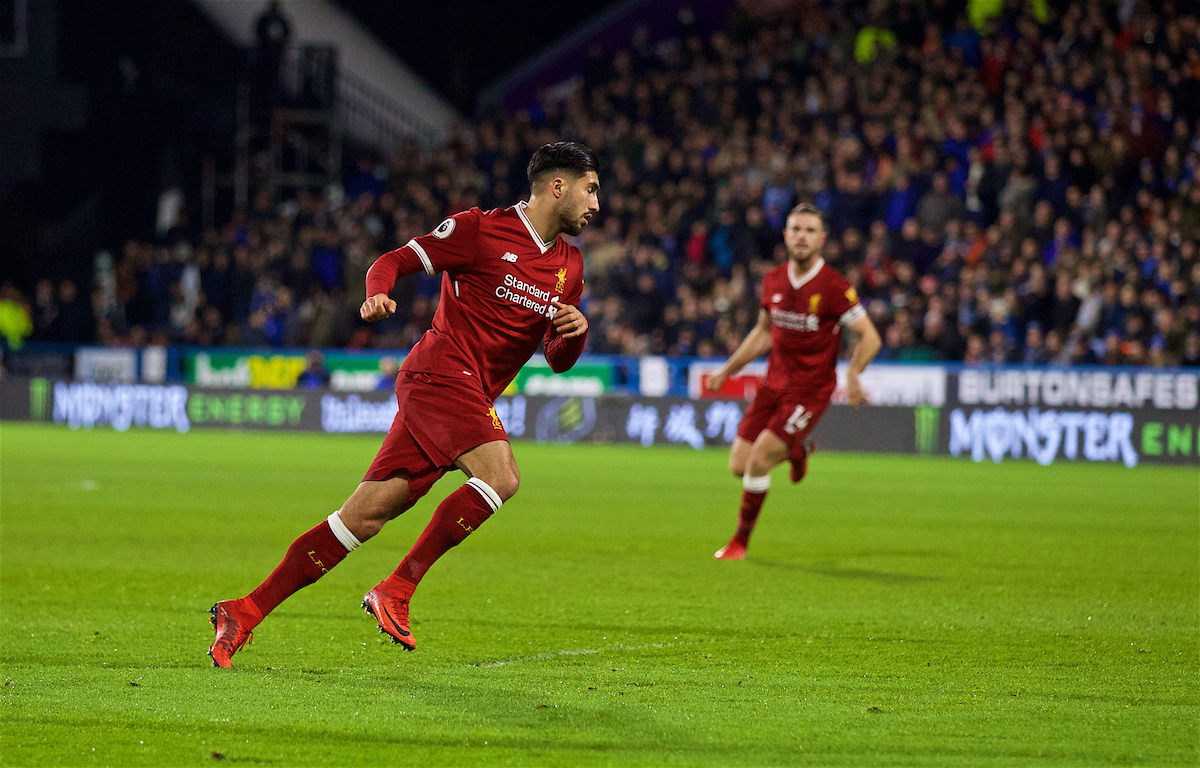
point(439, 418)
point(790, 414)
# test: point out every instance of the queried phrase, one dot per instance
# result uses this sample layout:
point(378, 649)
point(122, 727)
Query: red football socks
point(309, 558)
point(748, 514)
point(455, 518)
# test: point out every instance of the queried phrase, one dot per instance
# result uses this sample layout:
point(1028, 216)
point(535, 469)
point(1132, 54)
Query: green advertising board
point(348, 371)
point(359, 372)
point(586, 379)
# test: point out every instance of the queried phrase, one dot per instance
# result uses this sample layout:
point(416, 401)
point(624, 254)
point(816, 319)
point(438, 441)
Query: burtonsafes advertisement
point(1098, 414)
point(1132, 417)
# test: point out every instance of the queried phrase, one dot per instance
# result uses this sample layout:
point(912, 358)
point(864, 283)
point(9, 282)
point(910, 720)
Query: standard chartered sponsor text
point(794, 321)
point(533, 298)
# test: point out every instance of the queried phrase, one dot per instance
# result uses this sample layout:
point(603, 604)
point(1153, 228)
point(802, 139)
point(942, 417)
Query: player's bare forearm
point(864, 352)
point(756, 344)
point(867, 346)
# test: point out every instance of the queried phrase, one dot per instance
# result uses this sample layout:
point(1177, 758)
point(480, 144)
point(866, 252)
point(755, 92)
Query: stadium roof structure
point(366, 66)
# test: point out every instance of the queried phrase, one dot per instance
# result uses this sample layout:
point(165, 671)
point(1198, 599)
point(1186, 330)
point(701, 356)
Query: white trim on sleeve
point(852, 315)
point(424, 257)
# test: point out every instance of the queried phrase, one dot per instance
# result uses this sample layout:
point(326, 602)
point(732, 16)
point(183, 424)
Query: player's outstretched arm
point(864, 352)
point(756, 344)
point(377, 307)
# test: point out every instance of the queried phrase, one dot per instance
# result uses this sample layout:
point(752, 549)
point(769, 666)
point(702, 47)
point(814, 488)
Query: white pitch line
point(587, 651)
point(620, 647)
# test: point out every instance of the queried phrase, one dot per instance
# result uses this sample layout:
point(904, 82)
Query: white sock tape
point(347, 539)
point(489, 495)
point(756, 484)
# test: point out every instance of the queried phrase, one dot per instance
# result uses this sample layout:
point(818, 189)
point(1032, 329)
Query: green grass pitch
point(895, 611)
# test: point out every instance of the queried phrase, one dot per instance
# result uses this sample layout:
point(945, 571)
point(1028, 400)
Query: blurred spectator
point(16, 321)
point(45, 310)
point(389, 369)
point(1191, 350)
point(314, 375)
point(74, 322)
point(1035, 349)
point(938, 206)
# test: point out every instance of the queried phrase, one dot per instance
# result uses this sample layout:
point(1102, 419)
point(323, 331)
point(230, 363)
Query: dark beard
point(568, 223)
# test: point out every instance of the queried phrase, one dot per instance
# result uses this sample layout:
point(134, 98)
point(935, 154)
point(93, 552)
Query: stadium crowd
point(1018, 188)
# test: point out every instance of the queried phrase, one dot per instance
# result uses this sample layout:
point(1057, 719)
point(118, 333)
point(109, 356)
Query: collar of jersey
point(797, 282)
point(541, 244)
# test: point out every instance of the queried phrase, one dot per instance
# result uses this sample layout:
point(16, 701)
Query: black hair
point(810, 209)
point(562, 155)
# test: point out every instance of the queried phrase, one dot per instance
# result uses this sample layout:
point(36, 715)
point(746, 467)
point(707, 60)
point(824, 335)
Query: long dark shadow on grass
point(832, 571)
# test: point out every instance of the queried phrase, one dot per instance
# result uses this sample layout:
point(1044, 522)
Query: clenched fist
point(377, 307)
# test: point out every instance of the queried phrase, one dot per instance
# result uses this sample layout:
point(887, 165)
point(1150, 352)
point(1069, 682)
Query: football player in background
point(805, 304)
point(508, 282)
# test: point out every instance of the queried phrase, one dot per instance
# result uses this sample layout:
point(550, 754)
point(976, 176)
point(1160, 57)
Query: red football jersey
point(498, 284)
point(807, 314)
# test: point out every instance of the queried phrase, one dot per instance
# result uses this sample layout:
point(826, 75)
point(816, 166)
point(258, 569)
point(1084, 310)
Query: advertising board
point(360, 372)
point(884, 384)
point(1095, 414)
point(352, 372)
point(1130, 417)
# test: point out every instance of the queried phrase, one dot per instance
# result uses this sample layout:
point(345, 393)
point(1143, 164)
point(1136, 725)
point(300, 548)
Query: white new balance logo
point(510, 257)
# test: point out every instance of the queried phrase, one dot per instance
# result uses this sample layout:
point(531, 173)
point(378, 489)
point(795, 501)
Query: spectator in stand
point(388, 370)
point(939, 205)
point(1191, 350)
point(16, 319)
point(900, 203)
point(315, 375)
point(1035, 350)
point(1064, 307)
point(45, 310)
point(74, 322)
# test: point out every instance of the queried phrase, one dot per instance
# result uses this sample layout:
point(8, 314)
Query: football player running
point(509, 282)
point(805, 304)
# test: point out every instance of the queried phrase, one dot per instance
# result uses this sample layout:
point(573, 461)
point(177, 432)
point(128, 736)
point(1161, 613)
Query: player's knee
point(509, 485)
point(760, 464)
point(759, 470)
point(737, 467)
point(366, 520)
point(366, 528)
point(505, 483)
